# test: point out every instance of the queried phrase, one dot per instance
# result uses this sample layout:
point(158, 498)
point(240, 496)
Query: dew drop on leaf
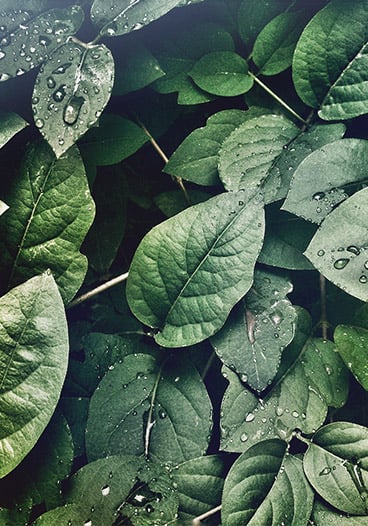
point(363, 279)
point(39, 123)
point(353, 249)
point(162, 414)
point(2, 54)
point(50, 82)
point(341, 263)
point(243, 437)
point(321, 253)
point(149, 508)
point(4, 76)
point(105, 491)
point(250, 417)
point(60, 70)
point(318, 196)
point(59, 94)
point(325, 471)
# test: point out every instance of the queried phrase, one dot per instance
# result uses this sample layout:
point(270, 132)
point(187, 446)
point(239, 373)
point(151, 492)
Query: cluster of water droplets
point(324, 202)
point(345, 257)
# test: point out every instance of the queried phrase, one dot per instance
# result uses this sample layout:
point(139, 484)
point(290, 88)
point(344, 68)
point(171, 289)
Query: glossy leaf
point(10, 125)
point(33, 362)
point(336, 466)
point(323, 515)
point(167, 407)
point(336, 249)
point(185, 278)
point(266, 486)
point(352, 345)
point(35, 37)
point(318, 184)
point(257, 331)
point(329, 66)
point(50, 212)
point(248, 153)
point(71, 91)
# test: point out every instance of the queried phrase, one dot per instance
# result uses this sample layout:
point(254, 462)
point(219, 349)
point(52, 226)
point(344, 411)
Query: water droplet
point(325, 471)
point(62, 68)
point(250, 417)
point(2, 54)
point(279, 411)
point(295, 414)
point(105, 490)
point(59, 94)
point(162, 414)
point(88, 523)
point(353, 249)
point(6, 41)
point(61, 141)
point(44, 40)
point(243, 437)
point(244, 378)
point(149, 508)
point(50, 82)
point(4, 77)
point(341, 263)
point(39, 123)
point(35, 100)
point(20, 71)
point(318, 196)
point(363, 279)
point(321, 253)
point(111, 29)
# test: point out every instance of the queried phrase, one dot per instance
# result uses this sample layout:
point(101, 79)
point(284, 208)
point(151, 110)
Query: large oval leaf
point(337, 249)
point(189, 271)
point(33, 362)
point(50, 212)
point(70, 92)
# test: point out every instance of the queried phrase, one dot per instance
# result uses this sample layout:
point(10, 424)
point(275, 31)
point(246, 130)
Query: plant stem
point(204, 516)
point(277, 98)
point(101, 288)
point(324, 322)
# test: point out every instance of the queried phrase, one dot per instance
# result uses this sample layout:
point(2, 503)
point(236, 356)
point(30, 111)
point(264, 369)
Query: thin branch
point(277, 98)
point(101, 288)
point(197, 520)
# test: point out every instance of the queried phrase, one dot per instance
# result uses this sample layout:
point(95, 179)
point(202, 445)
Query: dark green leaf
point(50, 212)
point(323, 515)
point(352, 345)
point(336, 465)
point(71, 91)
point(31, 42)
point(337, 248)
point(75, 411)
point(174, 201)
point(10, 125)
point(186, 277)
point(266, 486)
point(33, 362)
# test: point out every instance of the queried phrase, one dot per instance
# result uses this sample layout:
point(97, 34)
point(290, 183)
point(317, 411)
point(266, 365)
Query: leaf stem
point(101, 288)
point(277, 98)
point(204, 516)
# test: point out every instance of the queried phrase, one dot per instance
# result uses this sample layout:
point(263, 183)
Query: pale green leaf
point(33, 362)
point(189, 271)
point(248, 153)
point(71, 91)
point(330, 60)
point(50, 212)
point(266, 486)
point(318, 184)
point(33, 39)
point(257, 330)
point(161, 411)
point(352, 345)
point(323, 515)
point(336, 465)
point(10, 125)
point(337, 248)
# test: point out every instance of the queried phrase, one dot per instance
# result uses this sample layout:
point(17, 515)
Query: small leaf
point(336, 466)
point(33, 362)
point(31, 42)
point(223, 73)
point(50, 212)
point(10, 125)
point(266, 486)
point(352, 345)
point(71, 91)
point(190, 270)
point(317, 186)
point(337, 248)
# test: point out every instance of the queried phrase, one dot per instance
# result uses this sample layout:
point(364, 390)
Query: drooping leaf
point(249, 151)
point(166, 406)
point(223, 73)
point(329, 66)
point(257, 330)
point(190, 270)
point(352, 345)
point(323, 515)
point(50, 212)
point(266, 486)
point(337, 248)
point(71, 91)
point(336, 465)
point(33, 362)
point(318, 184)
point(35, 37)
point(10, 125)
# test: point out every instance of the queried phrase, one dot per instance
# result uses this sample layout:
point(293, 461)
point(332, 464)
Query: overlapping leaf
point(323, 515)
point(50, 212)
point(33, 362)
point(10, 125)
point(190, 270)
point(71, 91)
point(352, 344)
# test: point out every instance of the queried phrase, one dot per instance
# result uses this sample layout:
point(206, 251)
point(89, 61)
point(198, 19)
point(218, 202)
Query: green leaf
point(329, 66)
point(35, 37)
point(352, 345)
point(71, 91)
point(317, 186)
point(186, 277)
point(274, 47)
point(10, 125)
point(336, 465)
point(248, 153)
point(33, 362)
point(174, 201)
point(114, 139)
point(323, 515)
point(50, 212)
point(257, 330)
point(337, 248)
point(167, 407)
point(223, 73)
point(75, 411)
point(266, 486)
